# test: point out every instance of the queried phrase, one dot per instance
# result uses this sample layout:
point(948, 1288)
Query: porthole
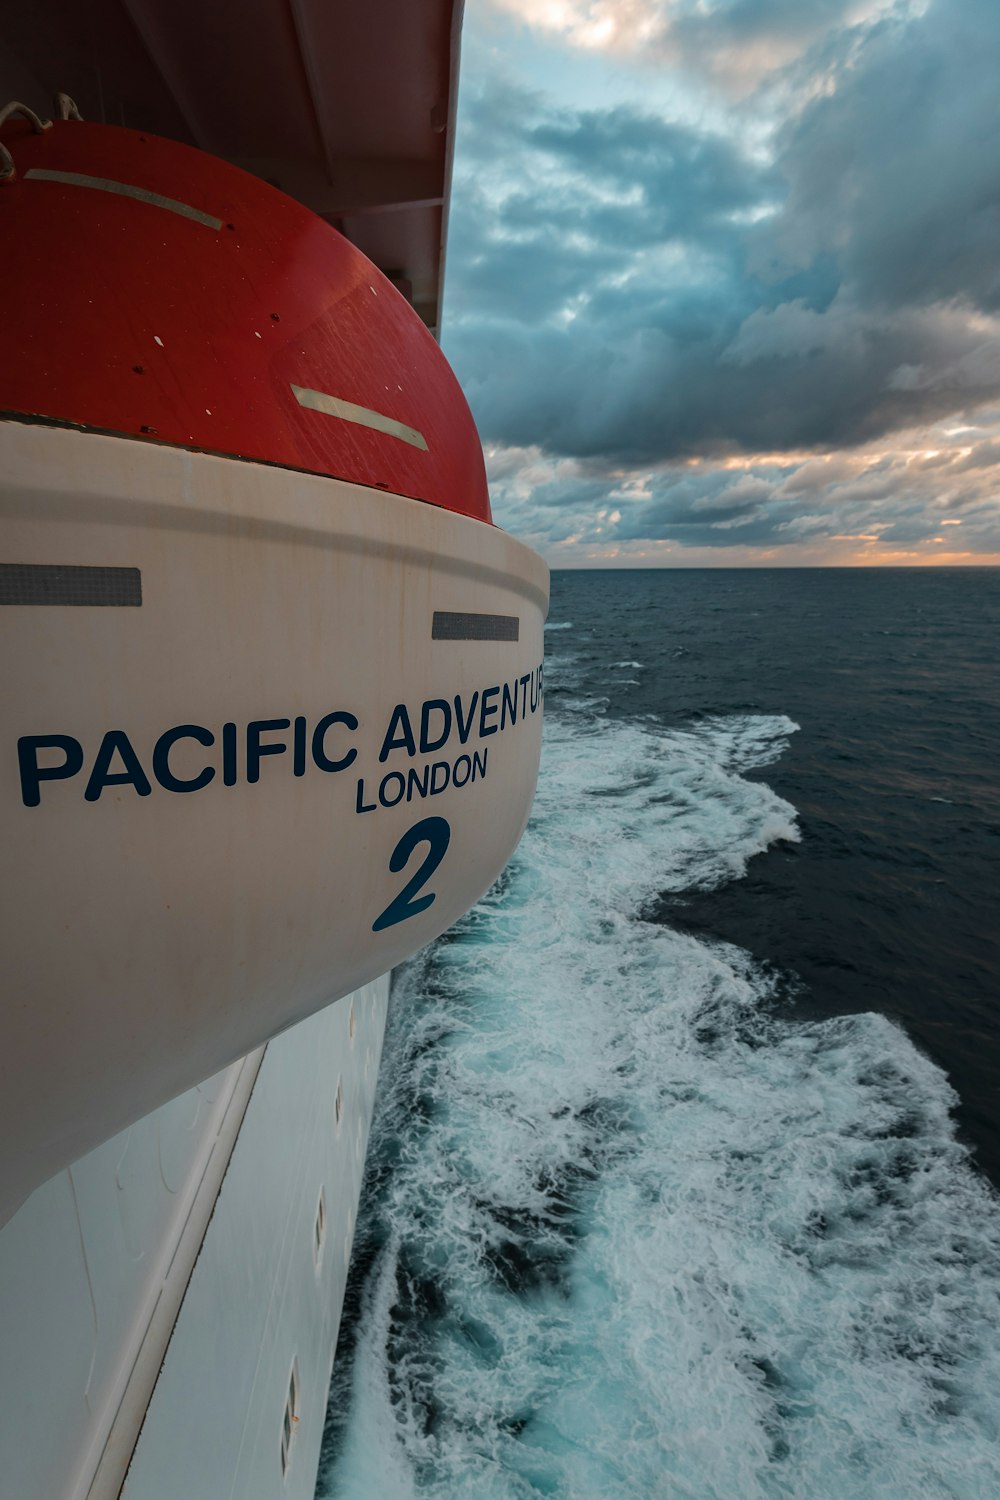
point(290, 1420)
point(338, 1103)
point(319, 1229)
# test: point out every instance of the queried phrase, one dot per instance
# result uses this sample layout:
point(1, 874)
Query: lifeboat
point(271, 678)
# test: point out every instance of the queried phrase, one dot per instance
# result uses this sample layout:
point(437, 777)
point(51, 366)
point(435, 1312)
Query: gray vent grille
point(49, 583)
point(458, 627)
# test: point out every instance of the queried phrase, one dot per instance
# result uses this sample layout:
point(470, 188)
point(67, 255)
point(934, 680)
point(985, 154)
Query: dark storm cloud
point(597, 190)
point(927, 496)
point(641, 387)
point(627, 288)
point(744, 519)
point(689, 183)
point(899, 167)
point(708, 509)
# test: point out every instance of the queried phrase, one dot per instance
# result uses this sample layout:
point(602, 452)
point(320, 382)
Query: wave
point(630, 1231)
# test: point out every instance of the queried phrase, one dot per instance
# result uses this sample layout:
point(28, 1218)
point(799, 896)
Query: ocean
point(682, 1177)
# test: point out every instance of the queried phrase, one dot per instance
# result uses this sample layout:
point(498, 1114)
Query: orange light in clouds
point(594, 25)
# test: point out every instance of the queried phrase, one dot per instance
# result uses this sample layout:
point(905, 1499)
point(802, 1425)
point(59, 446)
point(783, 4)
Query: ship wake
point(631, 1228)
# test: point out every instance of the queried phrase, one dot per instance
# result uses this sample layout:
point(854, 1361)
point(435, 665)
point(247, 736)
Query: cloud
point(895, 163)
point(872, 504)
point(628, 291)
point(735, 42)
point(647, 290)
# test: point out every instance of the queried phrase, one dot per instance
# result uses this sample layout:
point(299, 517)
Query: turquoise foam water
point(631, 1231)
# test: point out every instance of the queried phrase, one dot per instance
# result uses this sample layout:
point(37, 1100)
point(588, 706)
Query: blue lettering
point(32, 774)
point(319, 736)
point(479, 764)
point(405, 741)
point(102, 775)
point(229, 767)
point(439, 765)
point(524, 692)
point(161, 758)
point(487, 710)
point(360, 805)
point(255, 750)
point(299, 746)
point(508, 704)
point(444, 709)
point(463, 764)
point(436, 833)
point(383, 795)
point(465, 729)
point(414, 783)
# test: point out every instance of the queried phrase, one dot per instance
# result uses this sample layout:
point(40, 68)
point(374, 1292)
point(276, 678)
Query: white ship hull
point(158, 1293)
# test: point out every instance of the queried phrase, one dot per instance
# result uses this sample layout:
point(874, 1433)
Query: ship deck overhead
point(349, 107)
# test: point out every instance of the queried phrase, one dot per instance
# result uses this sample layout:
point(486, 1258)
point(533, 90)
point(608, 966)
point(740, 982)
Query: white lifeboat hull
point(283, 736)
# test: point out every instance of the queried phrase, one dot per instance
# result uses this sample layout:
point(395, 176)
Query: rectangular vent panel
point(449, 626)
point(51, 583)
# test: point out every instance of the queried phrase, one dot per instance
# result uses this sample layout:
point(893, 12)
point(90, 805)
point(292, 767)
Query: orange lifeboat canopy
point(171, 296)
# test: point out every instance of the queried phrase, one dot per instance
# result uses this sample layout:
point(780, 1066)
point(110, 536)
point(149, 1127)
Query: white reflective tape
point(124, 190)
point(361, 415)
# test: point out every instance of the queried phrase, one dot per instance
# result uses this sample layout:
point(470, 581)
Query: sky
point(723, 278)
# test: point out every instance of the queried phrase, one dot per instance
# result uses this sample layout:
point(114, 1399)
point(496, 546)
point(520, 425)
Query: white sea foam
point(559, 625)
point(639, 1234)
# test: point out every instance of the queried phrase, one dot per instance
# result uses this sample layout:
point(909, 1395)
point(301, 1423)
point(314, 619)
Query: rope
point(14, 108)
point(65, 110)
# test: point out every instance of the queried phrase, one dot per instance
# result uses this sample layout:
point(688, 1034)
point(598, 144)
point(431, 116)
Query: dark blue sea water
point(680, 1176)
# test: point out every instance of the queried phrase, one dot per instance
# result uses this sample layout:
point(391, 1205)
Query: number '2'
point(437, 833)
